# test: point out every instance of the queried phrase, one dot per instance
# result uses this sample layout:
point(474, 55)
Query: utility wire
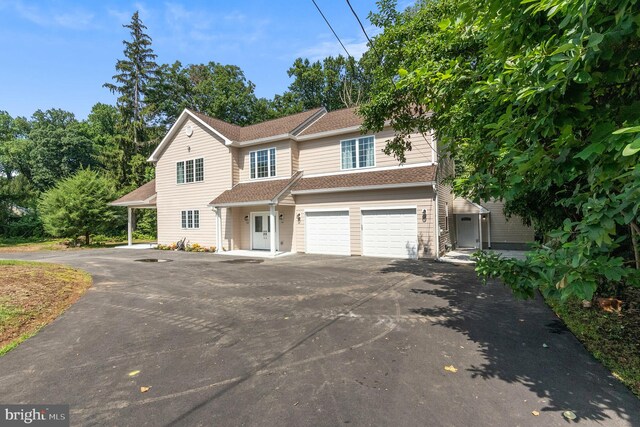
point(332, 30)
point(363, 30)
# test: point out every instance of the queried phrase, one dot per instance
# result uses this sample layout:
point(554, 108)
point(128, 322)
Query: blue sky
point(59, 53)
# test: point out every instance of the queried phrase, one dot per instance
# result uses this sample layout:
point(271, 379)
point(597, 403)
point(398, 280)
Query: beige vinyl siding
point(295, 157)
point(173, 198)
point(242, 228)
point(235, 165)
point(503, 229)
point(422, 198)
point(445, 198)
point(283, 159)
point(324, 155)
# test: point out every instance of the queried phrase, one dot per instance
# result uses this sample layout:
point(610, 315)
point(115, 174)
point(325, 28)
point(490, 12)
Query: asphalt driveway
point(305, 340)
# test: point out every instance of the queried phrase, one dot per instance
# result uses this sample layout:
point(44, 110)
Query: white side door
point(467, 226)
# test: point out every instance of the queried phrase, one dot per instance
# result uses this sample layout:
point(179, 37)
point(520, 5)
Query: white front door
point(390, 233)
point(260, 230)
point(467, 226)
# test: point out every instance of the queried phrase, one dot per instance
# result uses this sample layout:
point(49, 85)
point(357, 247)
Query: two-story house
point(310, 182)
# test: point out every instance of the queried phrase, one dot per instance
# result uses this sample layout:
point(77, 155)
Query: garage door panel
point(328, 233)
point(390, 233)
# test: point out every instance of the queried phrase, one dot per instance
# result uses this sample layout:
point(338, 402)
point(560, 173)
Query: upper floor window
point(190, 171)
point(358, 153)
point(263, 163)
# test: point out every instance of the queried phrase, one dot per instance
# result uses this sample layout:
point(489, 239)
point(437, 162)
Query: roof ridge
point(316, 110)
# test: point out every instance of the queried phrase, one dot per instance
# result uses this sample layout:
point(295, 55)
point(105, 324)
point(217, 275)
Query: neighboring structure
point(309, 182)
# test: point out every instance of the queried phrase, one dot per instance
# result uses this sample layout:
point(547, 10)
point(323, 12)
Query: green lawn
point(612, 338)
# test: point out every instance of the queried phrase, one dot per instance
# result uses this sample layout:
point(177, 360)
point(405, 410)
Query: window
point(358, 153)
point(199, 170)
point(180, 172)
point(190, 171)
point(191, 219)
point(263, 163)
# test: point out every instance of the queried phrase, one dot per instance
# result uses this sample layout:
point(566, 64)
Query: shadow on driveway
point(522, 342)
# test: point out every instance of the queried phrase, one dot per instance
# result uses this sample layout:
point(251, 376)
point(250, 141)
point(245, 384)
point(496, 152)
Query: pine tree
point(134, 75)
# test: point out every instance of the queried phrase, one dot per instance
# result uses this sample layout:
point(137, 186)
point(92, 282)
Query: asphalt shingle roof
point(403, 175)
point(257, 191)
point(139, 195)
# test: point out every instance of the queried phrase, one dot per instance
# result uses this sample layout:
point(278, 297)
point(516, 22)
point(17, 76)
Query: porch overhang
point(386, 179)
point(256, 193)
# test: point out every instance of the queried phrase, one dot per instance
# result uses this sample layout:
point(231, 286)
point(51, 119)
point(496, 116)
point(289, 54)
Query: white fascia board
point(262, 140)
point(371, 169)
point(176, 127)
point(328, 133)
point(363, 188)
point(239, 204)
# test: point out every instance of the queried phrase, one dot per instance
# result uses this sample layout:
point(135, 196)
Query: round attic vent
point(188, 130)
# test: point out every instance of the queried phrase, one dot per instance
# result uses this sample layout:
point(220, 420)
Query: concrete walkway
point(464, 256)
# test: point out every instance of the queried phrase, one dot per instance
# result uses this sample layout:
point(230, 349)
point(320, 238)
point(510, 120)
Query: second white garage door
point(390, 233)
point(328, 233)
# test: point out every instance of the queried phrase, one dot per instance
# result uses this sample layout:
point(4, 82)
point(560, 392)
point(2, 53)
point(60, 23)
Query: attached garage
point(390, 233)
point(327, 232)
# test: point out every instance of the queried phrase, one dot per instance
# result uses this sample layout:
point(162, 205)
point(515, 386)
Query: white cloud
point(77, 19)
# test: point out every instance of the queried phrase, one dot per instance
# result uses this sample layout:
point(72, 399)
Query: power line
point(332, 30)
point(362, 27)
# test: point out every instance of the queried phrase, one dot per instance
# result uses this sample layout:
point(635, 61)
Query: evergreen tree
point(135, 74)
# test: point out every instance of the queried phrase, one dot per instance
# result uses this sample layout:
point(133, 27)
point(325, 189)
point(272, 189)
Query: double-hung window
point(191, 219)
point(263, 163)
point(190, 171)
point(357, 153)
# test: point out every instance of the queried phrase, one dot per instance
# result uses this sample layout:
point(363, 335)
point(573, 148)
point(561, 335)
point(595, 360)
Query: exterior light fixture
point(281, 217)
point(246, 219)
point(424, 215)
point(298, 216)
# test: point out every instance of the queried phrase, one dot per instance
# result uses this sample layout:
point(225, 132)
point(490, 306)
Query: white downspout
point(437, 224)
point(489, 229)
point(129, 226)
point(480, 230)
point(218, 229)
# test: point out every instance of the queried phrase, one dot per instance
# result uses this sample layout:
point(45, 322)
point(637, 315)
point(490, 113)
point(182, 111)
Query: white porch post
point(272, 225)
point(480, 230)
point(218, 229)
point(489, 229)
point(129, 226)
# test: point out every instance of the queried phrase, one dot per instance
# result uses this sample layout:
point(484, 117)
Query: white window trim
point(192, 219)
point(357, 139)
point(184, 170)
point(275, 163)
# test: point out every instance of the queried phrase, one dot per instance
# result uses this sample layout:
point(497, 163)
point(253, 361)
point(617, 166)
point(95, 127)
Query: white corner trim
point(371, 169)
point(389, 208)
point(319, 210)
point(363, 188)
point(176, 127)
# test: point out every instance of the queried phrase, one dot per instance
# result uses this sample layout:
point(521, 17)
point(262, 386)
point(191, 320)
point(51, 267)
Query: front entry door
point(261, 231)
point(467, 226)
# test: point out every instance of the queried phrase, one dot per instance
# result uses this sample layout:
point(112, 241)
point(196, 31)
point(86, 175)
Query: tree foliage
point(78, 206)
point(530, 98)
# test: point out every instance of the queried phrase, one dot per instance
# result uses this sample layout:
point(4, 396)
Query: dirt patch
point(32, 295)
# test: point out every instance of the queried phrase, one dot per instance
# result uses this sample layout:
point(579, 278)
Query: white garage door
point(327, 233)
point(390, 233)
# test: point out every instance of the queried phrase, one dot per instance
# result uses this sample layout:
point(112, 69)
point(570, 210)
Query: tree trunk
point(86, 238)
